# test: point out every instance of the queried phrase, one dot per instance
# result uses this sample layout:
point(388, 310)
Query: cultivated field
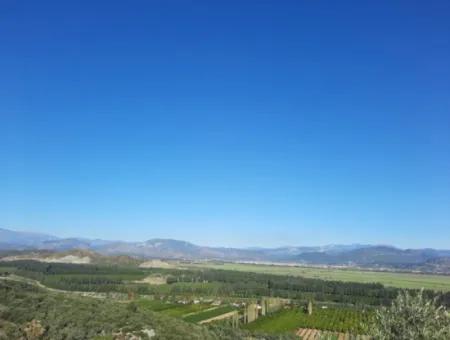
point(189, 312)
point(393, 279)
point(208, 314)
point(190, 294)
point(314, 334)
point(289, 320)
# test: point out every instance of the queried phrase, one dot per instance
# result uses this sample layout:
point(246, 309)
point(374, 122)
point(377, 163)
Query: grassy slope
point(400, 280)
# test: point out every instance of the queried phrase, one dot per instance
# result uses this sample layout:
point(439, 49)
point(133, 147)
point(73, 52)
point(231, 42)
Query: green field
point(333, 319)
point(182, 310)
point(400, 280)
point(209, 314)
point(172, 309)
point(155, 305)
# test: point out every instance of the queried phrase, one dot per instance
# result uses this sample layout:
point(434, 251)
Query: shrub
point(411, 317)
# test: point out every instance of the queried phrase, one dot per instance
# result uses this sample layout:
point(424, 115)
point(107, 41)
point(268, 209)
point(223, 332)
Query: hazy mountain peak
point(333, 254)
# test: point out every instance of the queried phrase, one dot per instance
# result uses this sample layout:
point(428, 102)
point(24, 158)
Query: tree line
point(208, 282)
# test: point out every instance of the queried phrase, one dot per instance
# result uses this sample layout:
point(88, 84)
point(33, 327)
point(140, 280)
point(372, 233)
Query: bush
point(411, 317)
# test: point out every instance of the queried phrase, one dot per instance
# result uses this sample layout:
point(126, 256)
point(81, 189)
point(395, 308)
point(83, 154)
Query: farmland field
point(209, 314)
point(188, 309)
point(333, 319)
point(155, 305)
point(172, 309)
point(393, 279)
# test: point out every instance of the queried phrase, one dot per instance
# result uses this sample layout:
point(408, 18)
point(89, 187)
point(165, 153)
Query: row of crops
point(343, 320)
point(331, 319)
point(314, 334)
point(189, 312)
point(208, 314)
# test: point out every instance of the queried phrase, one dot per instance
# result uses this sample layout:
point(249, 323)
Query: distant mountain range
point(361, 255)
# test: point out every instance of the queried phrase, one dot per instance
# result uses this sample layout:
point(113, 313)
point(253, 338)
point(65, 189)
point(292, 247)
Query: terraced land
point(392, 279)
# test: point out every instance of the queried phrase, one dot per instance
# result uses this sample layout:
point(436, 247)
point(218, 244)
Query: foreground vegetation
point(411, 317)
point(26, 310)
point(64, 317)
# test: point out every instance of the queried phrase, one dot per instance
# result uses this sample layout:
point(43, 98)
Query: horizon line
point(230, 247)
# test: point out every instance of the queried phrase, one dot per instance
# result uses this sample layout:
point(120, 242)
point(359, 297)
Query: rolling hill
point(368, 256)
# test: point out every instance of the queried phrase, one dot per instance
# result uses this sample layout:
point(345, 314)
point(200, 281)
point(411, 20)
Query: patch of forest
point(207, 282)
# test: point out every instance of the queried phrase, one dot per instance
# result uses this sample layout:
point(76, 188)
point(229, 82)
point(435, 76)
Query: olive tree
point(411, 317)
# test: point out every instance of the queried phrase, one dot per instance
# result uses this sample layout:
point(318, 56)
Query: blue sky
point(256, 123)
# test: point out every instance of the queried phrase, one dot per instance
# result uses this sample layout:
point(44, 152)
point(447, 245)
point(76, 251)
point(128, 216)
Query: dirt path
point(17, 278)
point(220, 317)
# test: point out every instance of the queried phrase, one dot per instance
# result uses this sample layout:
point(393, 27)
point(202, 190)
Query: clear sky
point(236, 123)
